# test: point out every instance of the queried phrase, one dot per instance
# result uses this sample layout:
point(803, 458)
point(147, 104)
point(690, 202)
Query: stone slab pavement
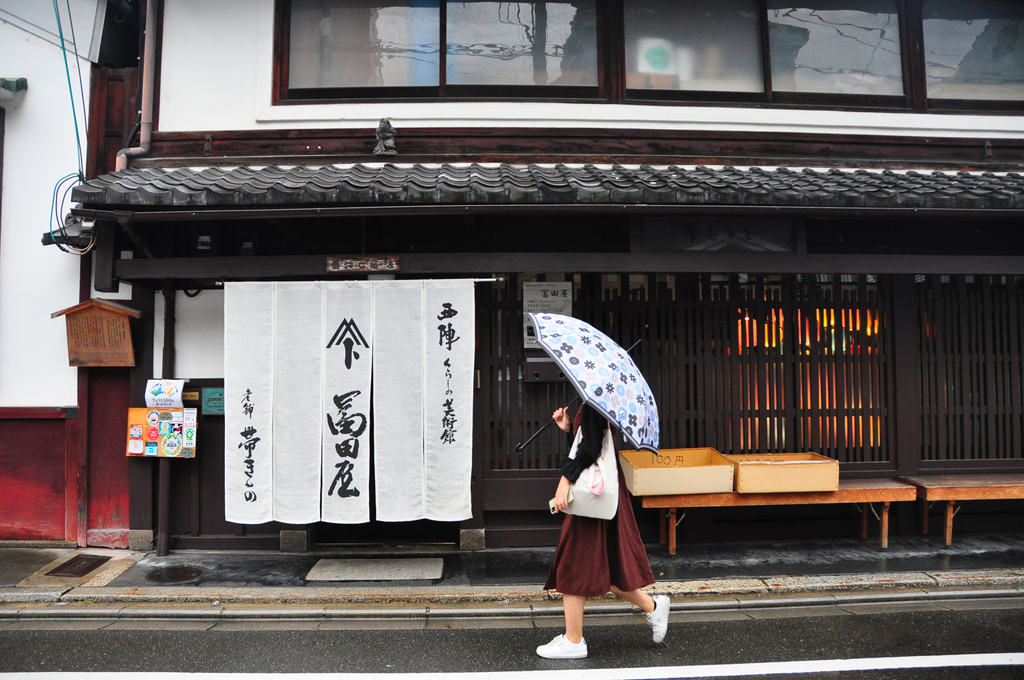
point(498, 585)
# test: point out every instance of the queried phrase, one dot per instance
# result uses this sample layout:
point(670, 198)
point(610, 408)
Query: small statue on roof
point(385, 139)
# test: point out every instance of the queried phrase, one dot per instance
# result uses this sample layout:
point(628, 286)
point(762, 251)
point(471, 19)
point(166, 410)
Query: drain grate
point(177, 574)
point(77, 566)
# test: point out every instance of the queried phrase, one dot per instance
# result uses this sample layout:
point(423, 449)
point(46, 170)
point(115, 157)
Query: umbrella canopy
point(604, 375)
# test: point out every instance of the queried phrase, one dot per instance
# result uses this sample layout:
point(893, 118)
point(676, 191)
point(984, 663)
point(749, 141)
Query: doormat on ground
point(391, 569)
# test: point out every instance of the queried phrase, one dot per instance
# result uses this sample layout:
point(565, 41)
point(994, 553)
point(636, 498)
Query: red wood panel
point(32, 483)
point(108, 465)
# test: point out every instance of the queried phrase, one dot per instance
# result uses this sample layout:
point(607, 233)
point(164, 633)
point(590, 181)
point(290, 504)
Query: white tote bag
point(596, 491)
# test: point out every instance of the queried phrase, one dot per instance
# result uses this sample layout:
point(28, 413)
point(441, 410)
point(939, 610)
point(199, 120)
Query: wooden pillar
point(471, 532)
point(907, 385)
point(140, 472)
point(883, 531)
point(948, 525)
point(163, 498)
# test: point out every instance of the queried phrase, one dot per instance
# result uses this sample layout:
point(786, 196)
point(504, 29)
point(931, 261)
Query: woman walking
point(596, 555)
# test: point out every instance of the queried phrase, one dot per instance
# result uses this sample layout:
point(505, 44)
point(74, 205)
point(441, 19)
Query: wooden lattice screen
point(743, 363)
point(971, 332)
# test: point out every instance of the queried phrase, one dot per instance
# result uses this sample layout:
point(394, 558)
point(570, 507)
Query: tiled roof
point(466, 184)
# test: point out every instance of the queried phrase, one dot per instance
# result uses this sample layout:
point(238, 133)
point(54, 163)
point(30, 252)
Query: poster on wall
point(162, 432)
point(554, 297)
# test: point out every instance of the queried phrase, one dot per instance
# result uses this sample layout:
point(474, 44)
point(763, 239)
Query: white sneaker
point(659, 617)
point(561, 648)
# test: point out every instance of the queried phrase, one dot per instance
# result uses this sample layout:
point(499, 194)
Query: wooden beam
point(584, 145)
point(35, 413)
point(426, 264)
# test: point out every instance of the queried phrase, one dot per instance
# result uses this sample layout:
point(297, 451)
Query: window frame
point(772, 96)
point(441, 92)
point(937, 105)
point(611, 76)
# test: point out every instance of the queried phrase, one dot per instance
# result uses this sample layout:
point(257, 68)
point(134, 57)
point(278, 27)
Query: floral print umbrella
point(604, 375)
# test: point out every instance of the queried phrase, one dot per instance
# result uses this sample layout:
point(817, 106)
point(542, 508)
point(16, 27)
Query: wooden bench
point(953, 488)
point(861, 491)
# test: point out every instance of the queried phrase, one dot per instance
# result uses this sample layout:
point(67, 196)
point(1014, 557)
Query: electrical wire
point(71, 92)
point(58, 206)
point(78, 68)
point(54, 211)
point(62, 189)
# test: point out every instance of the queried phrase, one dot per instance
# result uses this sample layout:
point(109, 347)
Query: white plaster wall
point(199, 335)
point(218, 62)
point(39, 149)
point(81, 22)
point(208, 66)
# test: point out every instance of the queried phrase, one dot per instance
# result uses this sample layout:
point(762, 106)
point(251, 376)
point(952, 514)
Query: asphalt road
point(719, 638)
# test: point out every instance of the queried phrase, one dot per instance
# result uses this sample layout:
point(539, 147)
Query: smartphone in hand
point(551, 503)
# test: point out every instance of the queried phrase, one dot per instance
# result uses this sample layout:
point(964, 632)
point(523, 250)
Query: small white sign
point(164, 393)
point(544, 296)
point(189, 428)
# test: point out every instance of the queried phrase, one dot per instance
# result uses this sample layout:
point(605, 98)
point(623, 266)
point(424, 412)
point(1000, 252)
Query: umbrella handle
point(520, 447)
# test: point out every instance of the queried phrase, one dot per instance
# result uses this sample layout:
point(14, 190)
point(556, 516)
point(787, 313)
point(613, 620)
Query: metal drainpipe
point(163, 497)
point(148, 82)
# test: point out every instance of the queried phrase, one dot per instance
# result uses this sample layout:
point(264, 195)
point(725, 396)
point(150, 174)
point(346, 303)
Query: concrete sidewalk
point(498, 584)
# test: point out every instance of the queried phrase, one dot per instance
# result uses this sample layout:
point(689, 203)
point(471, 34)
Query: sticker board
point(162, 432)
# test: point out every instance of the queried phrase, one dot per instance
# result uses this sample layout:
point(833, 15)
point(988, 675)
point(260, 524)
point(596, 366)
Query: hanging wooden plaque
point(99, 333)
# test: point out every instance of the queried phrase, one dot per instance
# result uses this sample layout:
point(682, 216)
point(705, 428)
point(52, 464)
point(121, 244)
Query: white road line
point(654, 673)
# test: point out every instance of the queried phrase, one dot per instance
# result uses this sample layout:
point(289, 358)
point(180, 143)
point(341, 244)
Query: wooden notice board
point(99, 333)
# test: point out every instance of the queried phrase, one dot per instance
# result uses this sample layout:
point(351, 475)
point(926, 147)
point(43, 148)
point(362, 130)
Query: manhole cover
point(178, 574)
point(78, 566)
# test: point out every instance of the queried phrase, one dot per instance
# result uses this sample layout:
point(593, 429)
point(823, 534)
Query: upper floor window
point(974, 50)
point(347, 47)
point(837, 53)
point(522, 43)
point(835, 46)
point(374, 43)
point(692, 45)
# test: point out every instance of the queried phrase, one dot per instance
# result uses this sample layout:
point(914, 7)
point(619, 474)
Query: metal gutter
point(148, 94)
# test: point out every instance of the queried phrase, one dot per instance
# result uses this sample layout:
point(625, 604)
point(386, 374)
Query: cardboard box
point(676, 471)
point(784, 472)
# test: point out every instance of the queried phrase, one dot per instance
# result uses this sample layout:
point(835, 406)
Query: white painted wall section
point(217, 73)
point(199, 335)
point(81, 22)
point(208, 68)
point(39, 148)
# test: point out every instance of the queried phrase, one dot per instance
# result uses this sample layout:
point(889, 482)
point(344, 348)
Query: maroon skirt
point(595, 554)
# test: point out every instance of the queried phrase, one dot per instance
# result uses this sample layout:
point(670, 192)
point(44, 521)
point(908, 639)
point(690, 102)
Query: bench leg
point(864, 520)
point(662, 531)
point(883, 530)
point(948, 533)
point(671, 531)
point(924, 517)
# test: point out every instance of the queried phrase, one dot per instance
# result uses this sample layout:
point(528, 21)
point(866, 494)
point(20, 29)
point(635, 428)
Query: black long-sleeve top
point(593, 425)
